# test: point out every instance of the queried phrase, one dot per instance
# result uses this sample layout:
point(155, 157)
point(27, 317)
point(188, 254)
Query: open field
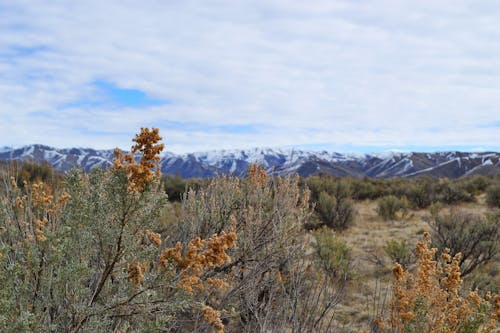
point(367, 237)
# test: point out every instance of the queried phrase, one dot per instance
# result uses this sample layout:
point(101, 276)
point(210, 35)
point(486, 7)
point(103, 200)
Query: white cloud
point(379, 73)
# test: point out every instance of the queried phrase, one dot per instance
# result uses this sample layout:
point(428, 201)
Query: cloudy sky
point(338, 75)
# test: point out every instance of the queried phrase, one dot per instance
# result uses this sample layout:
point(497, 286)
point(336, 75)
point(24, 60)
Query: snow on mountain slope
point(62, 159)
point(277, 161)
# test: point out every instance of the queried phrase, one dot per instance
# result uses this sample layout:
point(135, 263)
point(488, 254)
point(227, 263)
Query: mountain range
point(451, 164)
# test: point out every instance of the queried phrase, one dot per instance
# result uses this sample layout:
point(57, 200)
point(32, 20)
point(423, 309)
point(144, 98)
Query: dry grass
point(367, 237)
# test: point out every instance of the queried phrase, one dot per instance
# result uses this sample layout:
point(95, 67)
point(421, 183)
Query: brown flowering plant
point(199, 258)
point(142, 173)
point(432, 299)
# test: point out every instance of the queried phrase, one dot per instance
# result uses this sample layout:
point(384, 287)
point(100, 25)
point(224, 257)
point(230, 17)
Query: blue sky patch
point(491, 125)
point(106, 93)
point(196, 126)
point(22, 51)
point(125, 97)
point(243, 129)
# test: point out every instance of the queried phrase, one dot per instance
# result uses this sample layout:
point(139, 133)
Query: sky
point(347, 76)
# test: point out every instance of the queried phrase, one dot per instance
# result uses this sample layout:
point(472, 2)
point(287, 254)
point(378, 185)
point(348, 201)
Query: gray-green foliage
point(333, 200)
point(268, 216)
point(390, 205)
point(493, 196)
point(271, 284)
point(399, 252)
point(475, 236)
point(335, 210)
point(332, 254)
point(74, 275)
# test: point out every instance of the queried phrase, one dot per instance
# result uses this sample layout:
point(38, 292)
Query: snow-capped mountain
point(278, 162)
point(61, 159)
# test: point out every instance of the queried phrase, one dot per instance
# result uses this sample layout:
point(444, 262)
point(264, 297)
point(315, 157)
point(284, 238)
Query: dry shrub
point(493, 196)
point(432, 299)
point(271, 281)
point(199, 256)
point(142, 173)
point(475, 236)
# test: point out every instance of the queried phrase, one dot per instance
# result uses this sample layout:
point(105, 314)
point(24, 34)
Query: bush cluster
point(493, 196)
point(333, 201)
point(28, 172)
point(475, 236)
point(390, 205)
point(433, 299)
point(399, 252)
point(420, 192)
point(84, 256)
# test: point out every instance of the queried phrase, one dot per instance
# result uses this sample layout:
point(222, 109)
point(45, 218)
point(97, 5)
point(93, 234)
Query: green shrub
point(390, 205)
point(476, 237)
point(336, 212)
point(451, 193)
point(493, 196)
point(332, 254)
point(421, 192)
point(475, 185)
point(363, 189)
point(332, 199)
point(399, 252)
point(486, 278)
point(435, 208)
point(175, 187)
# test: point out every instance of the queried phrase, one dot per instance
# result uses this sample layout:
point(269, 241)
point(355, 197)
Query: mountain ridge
point(277, 161)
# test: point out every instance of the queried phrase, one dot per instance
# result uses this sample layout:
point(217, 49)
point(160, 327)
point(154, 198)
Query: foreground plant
point(88, 257)
point(272, 282)
point(432, 299)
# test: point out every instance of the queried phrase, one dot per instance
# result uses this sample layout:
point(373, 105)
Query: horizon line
point(365, 150)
